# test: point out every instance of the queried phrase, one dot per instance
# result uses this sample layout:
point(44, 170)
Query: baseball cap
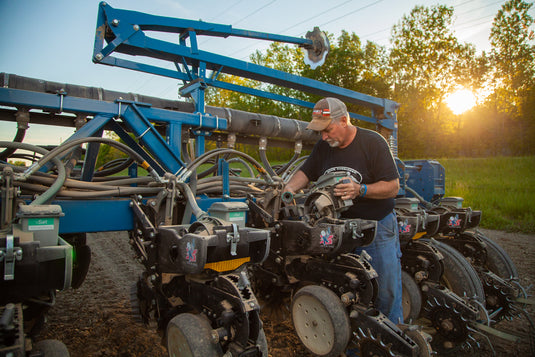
point(325, 111)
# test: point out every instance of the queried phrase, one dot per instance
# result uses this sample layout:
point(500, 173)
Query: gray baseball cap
point(325, 111)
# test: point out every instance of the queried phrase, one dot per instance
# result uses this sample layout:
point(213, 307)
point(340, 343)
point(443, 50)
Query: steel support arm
point(123, 32)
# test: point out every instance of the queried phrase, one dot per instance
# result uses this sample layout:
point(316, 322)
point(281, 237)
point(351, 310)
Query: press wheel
point(189, 335)
point(411, 298)
point(320, 320)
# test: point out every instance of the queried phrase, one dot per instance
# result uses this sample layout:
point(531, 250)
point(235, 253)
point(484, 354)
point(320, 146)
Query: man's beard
point(333, 143)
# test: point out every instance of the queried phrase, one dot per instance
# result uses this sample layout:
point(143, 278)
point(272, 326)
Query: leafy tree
point(427, 62)
point(513, 57)
point(109, 153)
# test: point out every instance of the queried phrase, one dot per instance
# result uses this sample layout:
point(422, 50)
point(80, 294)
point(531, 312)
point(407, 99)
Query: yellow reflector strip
point(419, 235)
point(145, 165)
point(227, 265)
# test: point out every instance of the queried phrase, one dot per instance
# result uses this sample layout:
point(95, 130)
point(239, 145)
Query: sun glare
point(460, 101)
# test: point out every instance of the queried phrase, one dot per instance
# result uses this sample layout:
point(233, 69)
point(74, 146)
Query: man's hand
point(347, 189)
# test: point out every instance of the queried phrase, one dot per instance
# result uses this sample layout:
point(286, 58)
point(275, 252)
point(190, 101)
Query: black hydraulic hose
point(113, 167)
point(209, 171)
point(76, 155)
point(288, 164)
point(80, 184)
point(245, 180)
point(19, 136)
point(191, 200)
point(217, 189)
point(203, 159)
point(244, 163)
point(66, 146)
point(126, 181)
point(183, 176)
point(287, 174)
point(422, 200)
point(186, 157)
point(23, 156)
point(56, 186)
point(266, 163)
point(118, 191)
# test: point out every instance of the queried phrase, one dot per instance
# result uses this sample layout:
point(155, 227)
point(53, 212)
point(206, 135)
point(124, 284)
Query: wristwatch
point(362, 191)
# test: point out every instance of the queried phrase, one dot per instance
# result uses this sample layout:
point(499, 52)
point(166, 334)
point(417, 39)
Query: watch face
point(361, 191)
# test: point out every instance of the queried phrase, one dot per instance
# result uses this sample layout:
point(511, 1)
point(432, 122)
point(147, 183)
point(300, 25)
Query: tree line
point(424, 64)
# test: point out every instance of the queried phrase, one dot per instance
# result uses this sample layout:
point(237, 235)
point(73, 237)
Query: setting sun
point(461, 101)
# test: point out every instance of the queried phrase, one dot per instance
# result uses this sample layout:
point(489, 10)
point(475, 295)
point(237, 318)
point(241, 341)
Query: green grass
point(503, 188)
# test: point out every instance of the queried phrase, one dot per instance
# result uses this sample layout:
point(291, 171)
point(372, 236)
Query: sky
point(53, 40)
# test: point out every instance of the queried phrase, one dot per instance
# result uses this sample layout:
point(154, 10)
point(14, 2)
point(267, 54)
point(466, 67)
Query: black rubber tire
point(498, 261)
point(459, 276)
point(320, 321)
point(411, 298)
point(262, 343)
point(82, 257)
point(189, 335)
point(51, 348)
point(81, 265)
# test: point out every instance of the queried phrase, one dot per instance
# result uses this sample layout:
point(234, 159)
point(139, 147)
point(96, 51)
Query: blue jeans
point(386, 254)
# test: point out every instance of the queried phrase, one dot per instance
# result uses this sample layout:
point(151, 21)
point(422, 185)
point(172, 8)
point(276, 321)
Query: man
point(365, 155)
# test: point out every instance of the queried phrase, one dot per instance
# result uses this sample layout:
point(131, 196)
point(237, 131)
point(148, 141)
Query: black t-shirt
point(368, 159)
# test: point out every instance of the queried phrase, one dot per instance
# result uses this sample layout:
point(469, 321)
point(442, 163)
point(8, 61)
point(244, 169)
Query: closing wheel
point(422, 339)
point(320, 320)
point(189, 335)
point(459, 276)
point(498, 261)
point(411, 298)
point(262, 344)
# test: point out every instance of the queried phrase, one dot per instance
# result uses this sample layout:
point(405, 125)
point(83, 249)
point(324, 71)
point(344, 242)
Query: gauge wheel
point(51, 348)
point(189, 335)
point(411, 298)
point(320, 320)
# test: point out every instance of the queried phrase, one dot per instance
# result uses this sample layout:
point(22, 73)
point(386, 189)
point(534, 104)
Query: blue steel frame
point(114, 215)
point(122, 31)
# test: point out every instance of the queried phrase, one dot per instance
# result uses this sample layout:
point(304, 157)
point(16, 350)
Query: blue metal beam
point(122, 22)
point(137, 116)
point(95, 215)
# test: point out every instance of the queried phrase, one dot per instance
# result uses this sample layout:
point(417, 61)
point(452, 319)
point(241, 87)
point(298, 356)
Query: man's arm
point(296, 182)
point(377, 190)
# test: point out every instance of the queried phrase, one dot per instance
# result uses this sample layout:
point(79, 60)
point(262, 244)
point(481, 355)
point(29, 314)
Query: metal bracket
point(9, 255)
point(356, 230)
point(233, 238)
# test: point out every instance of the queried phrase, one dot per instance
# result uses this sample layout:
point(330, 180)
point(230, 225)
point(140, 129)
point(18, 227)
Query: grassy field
point(501, 187)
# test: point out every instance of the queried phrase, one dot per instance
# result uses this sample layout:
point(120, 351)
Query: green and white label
point(236, 216)
point(40, 224)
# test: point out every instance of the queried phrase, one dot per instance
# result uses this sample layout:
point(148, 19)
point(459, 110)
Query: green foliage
point(425, 63)
point(501, 187)
point(108, 153)
point(428, 62)
point(17, 163)
point(513, 59)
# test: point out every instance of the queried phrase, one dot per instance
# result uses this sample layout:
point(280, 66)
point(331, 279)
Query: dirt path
point(95, 320)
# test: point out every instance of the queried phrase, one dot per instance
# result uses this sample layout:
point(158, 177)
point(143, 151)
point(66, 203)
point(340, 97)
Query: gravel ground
point(95, 319)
